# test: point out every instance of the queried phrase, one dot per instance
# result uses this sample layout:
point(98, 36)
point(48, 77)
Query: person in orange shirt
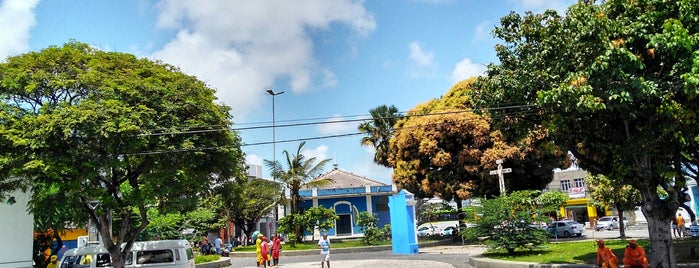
point(605, 257)
point(635, 256)
point(680, 224)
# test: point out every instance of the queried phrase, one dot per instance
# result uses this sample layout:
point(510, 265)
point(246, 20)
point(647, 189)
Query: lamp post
point(274, 150)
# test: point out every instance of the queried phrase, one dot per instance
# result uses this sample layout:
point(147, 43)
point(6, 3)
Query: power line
point(317, 123)
point(525, 114)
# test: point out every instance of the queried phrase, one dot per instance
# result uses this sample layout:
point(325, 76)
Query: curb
point(222, 262)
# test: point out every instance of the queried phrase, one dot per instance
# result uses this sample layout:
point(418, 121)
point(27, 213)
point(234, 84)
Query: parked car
point(566, 228)
point(609, 223)
point(426, 230)
point(451, 230)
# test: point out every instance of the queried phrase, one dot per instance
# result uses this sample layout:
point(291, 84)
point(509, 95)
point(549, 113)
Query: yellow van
point(162, 253)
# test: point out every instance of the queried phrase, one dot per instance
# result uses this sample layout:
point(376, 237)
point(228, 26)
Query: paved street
point(453, 256)
point(438, 257)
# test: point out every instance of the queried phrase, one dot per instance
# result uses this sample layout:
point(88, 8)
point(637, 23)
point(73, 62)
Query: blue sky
point(335, 60)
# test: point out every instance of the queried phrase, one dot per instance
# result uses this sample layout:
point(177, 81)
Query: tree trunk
point(622, 226)
point(661, 252)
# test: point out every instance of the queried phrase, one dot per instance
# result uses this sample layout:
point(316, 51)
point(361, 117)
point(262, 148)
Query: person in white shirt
point(324, 246)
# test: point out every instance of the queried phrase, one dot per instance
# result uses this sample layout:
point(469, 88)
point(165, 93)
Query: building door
point(344, 224)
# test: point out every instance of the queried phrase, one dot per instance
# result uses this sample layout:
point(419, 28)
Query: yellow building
point(572, 182)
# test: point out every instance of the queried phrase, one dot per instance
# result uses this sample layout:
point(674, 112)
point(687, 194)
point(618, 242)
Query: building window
point(565, 185)
point(579, 182)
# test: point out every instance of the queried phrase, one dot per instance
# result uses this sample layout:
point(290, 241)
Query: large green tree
point(256, 200)
point(379, 130)
point(605, 192)
point(300, 171)
point(116, 132)
point(617, 85)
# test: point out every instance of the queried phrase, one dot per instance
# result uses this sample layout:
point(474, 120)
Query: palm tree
point(301, 172)
point(379, 130)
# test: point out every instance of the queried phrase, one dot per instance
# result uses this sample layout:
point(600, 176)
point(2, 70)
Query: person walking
point(634, 255)
point(605, 256)
point(680, 224)
point(324, 246)
point(276, 249)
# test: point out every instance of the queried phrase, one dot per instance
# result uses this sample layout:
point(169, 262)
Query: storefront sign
point(578, 192)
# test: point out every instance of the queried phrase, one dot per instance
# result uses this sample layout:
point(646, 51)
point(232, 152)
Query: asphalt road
point(438, 257)
point(455, 256)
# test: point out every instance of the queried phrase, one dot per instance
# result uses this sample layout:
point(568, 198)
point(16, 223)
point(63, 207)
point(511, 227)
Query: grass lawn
point(578, 252)
point(585, 252)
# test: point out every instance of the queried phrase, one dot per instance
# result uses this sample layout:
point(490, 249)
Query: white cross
point(501, 177)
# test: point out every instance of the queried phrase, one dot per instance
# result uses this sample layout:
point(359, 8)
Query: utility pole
point(501, 175)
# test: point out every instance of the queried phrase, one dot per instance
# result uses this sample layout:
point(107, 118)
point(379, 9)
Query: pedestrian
point(53, 263)
point(324, 246)
point(264, 251)
point(675, 231)
point(605, 256)
point(680, 224)
point(276, 249)
point(634, 255)
point(258, 249)
point(217, 244)
point(204, 245)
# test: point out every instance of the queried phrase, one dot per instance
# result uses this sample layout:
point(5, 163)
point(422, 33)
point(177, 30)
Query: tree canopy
point(379, 131)
point(111, 133)
point(446, 148)
point(617, 85)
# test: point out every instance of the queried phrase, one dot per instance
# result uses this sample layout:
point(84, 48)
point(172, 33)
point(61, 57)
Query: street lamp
point(274, 139)
point(274, 149)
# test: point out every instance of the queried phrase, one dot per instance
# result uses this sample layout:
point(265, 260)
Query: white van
point(163, 253)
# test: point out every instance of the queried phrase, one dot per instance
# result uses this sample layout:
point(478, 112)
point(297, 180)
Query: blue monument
point(402, 210)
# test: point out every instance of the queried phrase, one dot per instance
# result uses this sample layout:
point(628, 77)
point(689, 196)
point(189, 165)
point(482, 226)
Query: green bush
point(509, 222)
point(206, 258)
point(367, 223)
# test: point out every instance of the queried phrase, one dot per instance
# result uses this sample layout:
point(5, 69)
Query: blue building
point(349, 194)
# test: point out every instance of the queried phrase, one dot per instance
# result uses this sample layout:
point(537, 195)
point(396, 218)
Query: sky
point(333, 59)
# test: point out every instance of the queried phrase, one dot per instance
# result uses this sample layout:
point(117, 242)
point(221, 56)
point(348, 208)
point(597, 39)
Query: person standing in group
point(680, 224)
point(605, 256)
point(264, 251)
point(634, 255)
point(217, 244)
point(204, 245)
point(324, 246)
point(276, 249)
point(258, 249)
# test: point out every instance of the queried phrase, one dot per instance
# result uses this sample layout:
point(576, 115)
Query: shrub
point(509, 222)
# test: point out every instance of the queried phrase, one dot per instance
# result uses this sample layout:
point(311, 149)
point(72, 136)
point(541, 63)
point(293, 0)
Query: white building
point(17, 232)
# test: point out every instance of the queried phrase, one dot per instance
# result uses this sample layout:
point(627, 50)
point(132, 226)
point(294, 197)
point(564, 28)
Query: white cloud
point(420, 57)
point(482, 30)
point(367, 168)
point(320, 153)
point(338, 125)
point(242, 47)
point(16, 20)
point(465, 69)
point(253, 159)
